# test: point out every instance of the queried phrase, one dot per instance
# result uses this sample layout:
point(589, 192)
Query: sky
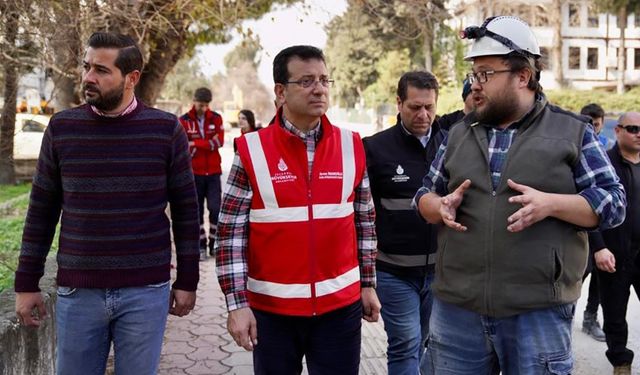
point(300, 23)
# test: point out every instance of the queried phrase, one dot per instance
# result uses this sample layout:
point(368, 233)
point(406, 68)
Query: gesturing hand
point(449, 205)
point(535, 207)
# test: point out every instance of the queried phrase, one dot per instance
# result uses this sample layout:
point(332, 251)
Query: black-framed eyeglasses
point(308, 82)
point(483, 76)
point(631, 129)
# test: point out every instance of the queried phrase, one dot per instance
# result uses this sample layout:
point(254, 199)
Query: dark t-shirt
point(633, 205)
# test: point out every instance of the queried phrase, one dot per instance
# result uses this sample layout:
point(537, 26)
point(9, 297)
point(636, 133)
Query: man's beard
point(498, 110)
point(105, 101)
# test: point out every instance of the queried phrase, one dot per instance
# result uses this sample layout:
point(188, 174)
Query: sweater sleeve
point(220, 132)
point(596, 242)
point(42, 217)
point(184, 212)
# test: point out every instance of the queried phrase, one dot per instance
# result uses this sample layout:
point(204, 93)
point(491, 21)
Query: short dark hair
point(592, 110)
point(202, 94)
point(280, 71)
point(418, 79)
point(251, 119)
point(129, 55)
point(518, 62)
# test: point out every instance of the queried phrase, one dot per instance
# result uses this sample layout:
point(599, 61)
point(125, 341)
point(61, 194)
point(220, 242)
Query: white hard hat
point(501, 35)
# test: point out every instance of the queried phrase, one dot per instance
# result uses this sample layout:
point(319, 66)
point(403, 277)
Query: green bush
point(612, 103)
point(572, 100)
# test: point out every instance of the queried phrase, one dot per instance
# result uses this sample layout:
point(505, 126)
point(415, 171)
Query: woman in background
point(246, 123)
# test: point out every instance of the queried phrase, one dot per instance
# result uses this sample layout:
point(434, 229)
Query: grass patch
point(12, 220)
point(10, 237)
point(8, 192)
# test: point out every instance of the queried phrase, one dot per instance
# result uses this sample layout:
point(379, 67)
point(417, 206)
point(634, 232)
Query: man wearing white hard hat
point(516, 184)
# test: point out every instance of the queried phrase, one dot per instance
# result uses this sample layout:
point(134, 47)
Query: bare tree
point(7, 127)
point(50, 34)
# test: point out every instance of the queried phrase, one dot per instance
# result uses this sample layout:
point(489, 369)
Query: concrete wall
point(28, 351)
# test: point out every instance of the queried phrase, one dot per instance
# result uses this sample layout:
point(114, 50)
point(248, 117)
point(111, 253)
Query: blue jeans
point(89, 319)
point(406, 306)
point(538, 342)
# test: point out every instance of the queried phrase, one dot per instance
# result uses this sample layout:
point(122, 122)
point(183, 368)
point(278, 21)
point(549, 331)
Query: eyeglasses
point(483, 77)
point(308, 82)
point(631, 129)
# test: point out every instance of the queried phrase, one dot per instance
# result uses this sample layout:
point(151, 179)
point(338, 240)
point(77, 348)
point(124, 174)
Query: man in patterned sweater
point(108, 169)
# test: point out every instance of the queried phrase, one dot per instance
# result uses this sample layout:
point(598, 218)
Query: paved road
point(199, 343)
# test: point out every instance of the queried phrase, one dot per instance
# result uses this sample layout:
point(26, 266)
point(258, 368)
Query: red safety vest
point(302, 256)
point(205, 157)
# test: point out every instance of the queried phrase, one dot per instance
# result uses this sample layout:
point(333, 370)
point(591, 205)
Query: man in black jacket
point(617, 259)
point(397, 159)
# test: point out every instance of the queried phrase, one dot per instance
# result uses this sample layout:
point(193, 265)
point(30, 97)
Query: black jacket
point(618, 240)
point(397, 162)
point(447, 121)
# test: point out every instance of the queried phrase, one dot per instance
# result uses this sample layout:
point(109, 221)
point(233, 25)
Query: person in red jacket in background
point(206, 136)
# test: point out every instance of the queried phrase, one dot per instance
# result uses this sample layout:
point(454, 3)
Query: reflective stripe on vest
point(272, 213)
point(323, 288)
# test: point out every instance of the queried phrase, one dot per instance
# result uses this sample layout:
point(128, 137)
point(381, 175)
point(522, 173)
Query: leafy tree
point(369, 29)
point(185, 78)
point(248, 51)
point(410, 20)
point(242, 76)
point(381, 94)
point(352, 52)
point(167, 31)
point(448, 57)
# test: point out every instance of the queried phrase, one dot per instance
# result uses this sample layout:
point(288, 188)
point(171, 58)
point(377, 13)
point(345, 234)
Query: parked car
point(28, 135)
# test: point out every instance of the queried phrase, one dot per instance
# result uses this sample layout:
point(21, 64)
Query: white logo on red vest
point(282, 166)
point(284, 175)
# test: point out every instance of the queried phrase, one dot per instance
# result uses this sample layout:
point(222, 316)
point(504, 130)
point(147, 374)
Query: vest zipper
point(204, 136)
point(489, 253)
point(312, 258)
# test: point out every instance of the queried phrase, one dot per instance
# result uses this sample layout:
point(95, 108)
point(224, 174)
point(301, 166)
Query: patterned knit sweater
point(112, 179)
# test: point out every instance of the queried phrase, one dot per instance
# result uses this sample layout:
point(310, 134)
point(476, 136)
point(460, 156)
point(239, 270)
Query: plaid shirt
point(593, 174)
point(231, 259)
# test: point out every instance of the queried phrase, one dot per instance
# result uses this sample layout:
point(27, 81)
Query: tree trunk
point(622, 55)
point(168, 50)
point(426, 47)
point(556, 55)
point(67, 48)
point(8, 124)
